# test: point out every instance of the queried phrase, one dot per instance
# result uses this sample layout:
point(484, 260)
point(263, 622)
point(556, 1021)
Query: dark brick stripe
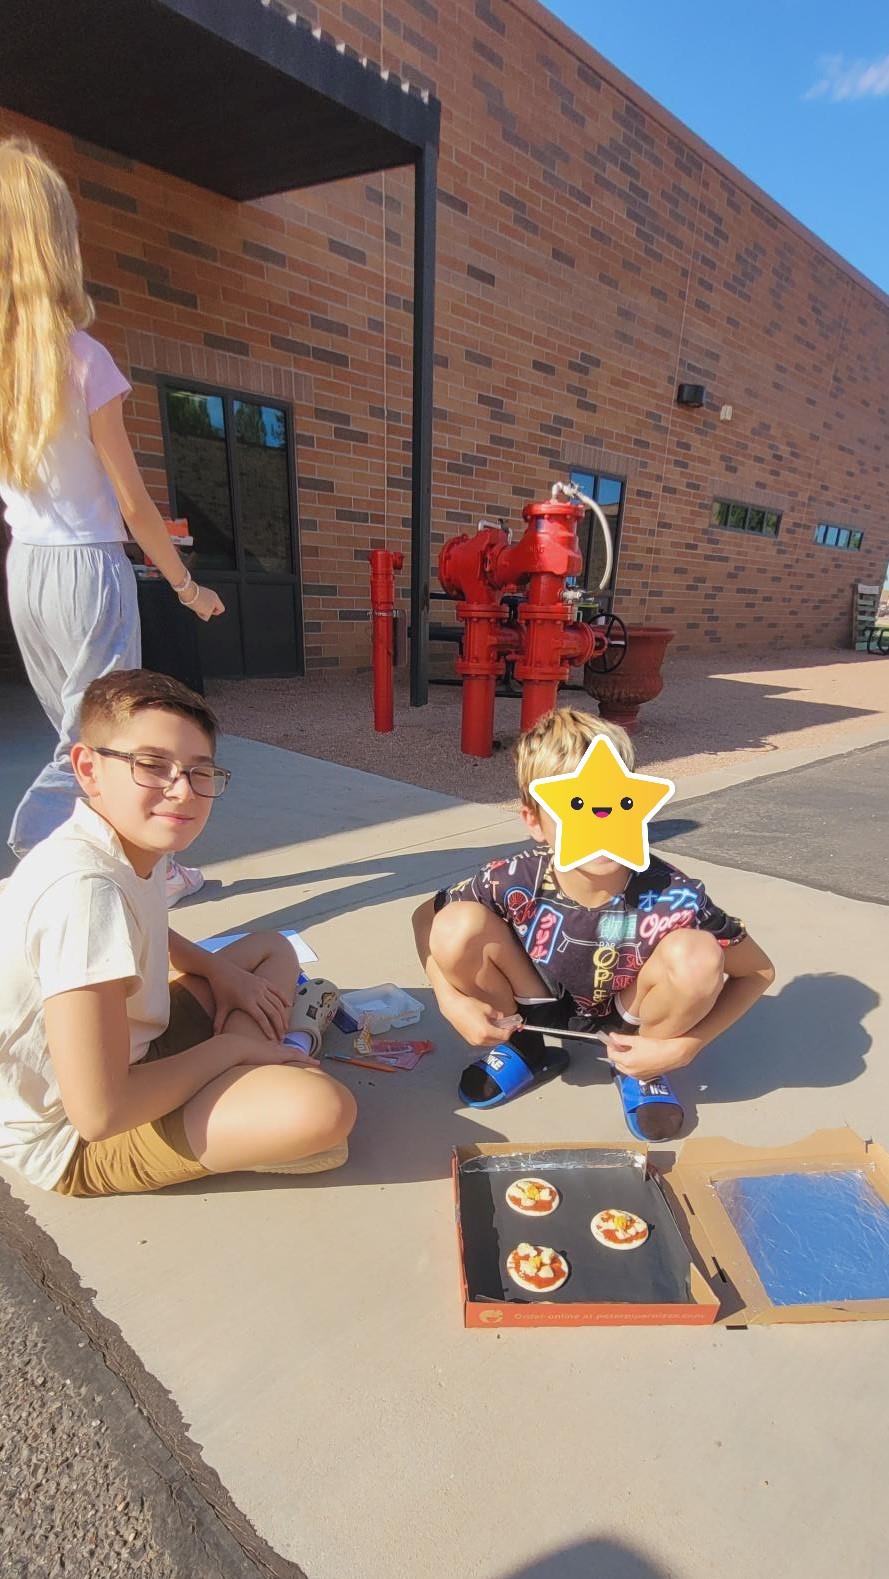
point(341, 249)
point(167, 293)
point(198, 249)
point(95, 192)
point(224, 342)
point(262, 254)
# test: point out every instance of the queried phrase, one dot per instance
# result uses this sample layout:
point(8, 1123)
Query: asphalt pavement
point(825, 825)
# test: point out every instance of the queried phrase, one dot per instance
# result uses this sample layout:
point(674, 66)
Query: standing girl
point(68, 481)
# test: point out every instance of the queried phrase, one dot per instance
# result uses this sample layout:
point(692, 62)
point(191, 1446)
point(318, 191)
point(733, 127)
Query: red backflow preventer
point(546, 638)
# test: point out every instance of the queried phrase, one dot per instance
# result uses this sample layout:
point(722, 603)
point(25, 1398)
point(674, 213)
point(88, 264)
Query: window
point(197, 447)
point(231, 473)
point(838, 536)
point(263, 486)
point(211, 437)
point(745, 517)
point(608, 493)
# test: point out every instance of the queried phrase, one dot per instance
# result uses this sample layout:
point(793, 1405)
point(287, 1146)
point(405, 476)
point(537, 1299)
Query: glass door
point(608, 492)
point(231, 474)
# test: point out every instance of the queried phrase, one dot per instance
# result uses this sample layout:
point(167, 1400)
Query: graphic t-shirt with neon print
point(591, 953)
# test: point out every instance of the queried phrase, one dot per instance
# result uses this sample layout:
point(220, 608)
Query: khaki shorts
point(154, 1155)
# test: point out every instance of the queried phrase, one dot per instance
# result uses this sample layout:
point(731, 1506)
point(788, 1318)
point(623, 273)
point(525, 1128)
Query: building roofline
point(565, 36)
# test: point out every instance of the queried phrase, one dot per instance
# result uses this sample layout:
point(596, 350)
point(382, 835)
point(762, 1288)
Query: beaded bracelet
point(182, 586)
point(190, 602)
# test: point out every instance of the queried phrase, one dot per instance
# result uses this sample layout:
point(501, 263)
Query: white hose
point(571, 491)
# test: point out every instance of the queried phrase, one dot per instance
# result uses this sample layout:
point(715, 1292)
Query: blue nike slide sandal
point(506, 1071)
point(651, 1107)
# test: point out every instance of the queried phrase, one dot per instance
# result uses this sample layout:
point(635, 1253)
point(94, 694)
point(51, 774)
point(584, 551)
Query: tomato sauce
point(520, 1202)
point(620, 1228)
point(542, 1284)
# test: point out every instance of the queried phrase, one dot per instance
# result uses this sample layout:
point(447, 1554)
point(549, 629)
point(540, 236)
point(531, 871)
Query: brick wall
point(591, 255)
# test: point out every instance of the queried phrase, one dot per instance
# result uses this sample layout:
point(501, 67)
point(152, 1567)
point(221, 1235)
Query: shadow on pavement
point(809, 1034)
point(362, 884)
point(595, 1559)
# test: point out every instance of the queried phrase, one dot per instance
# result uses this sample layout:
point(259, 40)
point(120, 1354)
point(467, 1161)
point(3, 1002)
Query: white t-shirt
point(71, 500)
point(73, 913)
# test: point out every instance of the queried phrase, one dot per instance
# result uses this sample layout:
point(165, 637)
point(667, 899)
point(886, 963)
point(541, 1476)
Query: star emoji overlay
point(601, 809)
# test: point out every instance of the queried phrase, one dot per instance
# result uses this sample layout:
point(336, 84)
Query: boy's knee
point(333, 1112)
point(693, 959)
point(346, 1111)
point(305, 1116)
point(309, 1116)
point(458, 925)
point(276, 946)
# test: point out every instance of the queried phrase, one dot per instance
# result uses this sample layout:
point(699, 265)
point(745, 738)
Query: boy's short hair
point(115, 698)
point(556, 743)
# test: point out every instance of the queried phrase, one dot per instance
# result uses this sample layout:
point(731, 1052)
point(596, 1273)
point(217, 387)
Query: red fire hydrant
point(383, 565)
point(545, 640)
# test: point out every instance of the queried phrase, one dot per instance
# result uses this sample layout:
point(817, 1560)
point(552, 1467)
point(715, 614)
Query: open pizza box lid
point(729, 1220)
point(847, 1231)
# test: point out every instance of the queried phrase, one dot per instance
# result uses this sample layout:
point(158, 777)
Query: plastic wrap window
point(521, 1161)
point(814, 1238)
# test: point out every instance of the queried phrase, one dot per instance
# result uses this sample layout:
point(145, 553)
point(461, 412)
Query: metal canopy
point(225, 93)
point(232, 96)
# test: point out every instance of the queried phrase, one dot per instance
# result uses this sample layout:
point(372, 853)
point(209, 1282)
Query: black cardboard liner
point(589, 1181)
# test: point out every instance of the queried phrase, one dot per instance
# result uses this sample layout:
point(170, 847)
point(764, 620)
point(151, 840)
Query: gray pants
point(75, 616)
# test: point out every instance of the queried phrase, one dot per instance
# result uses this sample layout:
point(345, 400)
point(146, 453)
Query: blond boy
point(647, 961)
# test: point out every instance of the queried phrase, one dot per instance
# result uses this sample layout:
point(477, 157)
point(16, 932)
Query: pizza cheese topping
point(534, 1197)
point(619, 1230)
point(538, 1268)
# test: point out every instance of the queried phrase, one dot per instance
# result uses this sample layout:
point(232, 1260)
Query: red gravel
point(712, 713)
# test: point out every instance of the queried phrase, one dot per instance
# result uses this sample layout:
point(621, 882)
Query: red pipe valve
point(383, 564)
point(545, 639)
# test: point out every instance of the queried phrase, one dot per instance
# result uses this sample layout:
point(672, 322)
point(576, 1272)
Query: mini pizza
point(619, 1230)
point(533, 1197)
point(537, 1269)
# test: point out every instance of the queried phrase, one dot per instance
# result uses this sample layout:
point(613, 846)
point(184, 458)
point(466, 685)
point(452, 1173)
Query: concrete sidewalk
point(310, 1331)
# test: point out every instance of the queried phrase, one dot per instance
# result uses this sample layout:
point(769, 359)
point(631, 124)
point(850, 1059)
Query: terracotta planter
point(621, 694)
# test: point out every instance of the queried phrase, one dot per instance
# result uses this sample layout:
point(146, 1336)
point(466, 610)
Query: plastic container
point(384, 1008)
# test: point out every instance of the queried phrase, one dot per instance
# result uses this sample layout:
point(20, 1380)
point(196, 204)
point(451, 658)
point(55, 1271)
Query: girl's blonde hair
point(42, 300)
point(556, 743)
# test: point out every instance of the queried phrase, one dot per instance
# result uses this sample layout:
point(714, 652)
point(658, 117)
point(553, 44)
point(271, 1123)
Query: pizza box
point(662, 1282)
point(754, 1234)
point(799, 1233)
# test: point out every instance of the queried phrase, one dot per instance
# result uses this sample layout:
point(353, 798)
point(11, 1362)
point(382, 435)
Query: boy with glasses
point(111, 1081)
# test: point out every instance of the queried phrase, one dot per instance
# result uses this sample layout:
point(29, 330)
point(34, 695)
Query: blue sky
point(794, 92)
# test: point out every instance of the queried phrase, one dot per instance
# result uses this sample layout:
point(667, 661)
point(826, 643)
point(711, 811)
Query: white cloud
point(854, 79)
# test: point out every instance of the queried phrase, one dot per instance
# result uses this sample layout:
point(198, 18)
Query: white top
point(71, 500)
point(73, 913)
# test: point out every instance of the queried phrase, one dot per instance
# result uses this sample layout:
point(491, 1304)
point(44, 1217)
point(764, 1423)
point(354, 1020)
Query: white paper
point(304, 952)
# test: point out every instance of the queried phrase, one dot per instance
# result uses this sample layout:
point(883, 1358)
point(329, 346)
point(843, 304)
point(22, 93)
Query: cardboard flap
point(834, 1147)
point(703, 1163)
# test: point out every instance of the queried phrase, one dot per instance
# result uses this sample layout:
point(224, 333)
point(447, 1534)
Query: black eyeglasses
point(160, 773)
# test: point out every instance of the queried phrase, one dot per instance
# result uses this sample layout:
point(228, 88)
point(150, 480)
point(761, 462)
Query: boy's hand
point(235, 988)
point(642, 1057)
point(481, 1025)
point(277, 1053)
